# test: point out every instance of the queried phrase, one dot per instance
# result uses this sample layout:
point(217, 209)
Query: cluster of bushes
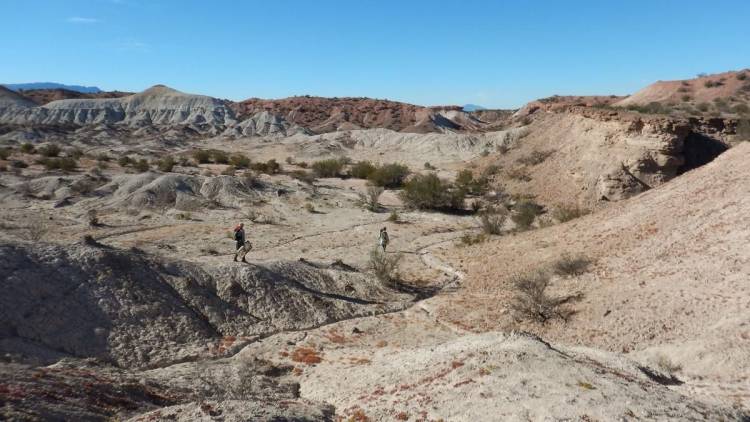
point(202, 156)
point(429, 192)
point(5, 153)
point(139, 165)
point(713, 84)
point(269, 167)
point(524, 214)
point(58, 163)
point(362, 169)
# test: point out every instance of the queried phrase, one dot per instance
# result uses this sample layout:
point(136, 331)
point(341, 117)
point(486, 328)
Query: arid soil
point(122, 301)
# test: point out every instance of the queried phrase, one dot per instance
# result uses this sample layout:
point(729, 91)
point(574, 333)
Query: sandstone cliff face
point(599, 154)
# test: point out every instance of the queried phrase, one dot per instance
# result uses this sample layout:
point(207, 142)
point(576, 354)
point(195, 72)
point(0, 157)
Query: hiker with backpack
point(239, 238)
point(383, 239)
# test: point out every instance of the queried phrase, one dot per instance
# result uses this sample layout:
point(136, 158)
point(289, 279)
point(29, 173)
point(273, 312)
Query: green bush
point(328, 168)
point(712, 84)
point(385, 266)
point(141, 165)
point(125, 161)
point(201, 156)
point(465, 181)
point(389, 175)
point(741, 76)
point(428, 191)
point(55, 163)
point(74, 153)
point(239, 161)
point(103, 157)
point(525, 213)
point(50, 150)
point(219, 157)
point(28, 148)
point(269, 167)
point(166, 164)
point(362, 169)
point(741, 109)
point(5, 153)
point(19, 164)
point(563, 213)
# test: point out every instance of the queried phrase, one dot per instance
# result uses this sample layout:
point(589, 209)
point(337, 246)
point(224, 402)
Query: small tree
point(428, 191)
point(384, 266)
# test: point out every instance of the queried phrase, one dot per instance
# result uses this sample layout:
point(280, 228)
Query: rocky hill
point(322, 115)
point(722, 94)
point(44, 96)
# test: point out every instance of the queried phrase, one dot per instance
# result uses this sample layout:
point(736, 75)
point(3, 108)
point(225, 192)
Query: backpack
point(237, 235)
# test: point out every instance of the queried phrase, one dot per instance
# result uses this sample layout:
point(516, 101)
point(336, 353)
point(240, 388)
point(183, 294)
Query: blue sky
point(492, 53)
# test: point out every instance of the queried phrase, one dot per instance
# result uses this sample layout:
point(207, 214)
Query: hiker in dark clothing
point(239, 237)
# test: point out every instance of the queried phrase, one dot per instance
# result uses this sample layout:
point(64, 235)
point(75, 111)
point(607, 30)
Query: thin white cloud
point(130, 44)
point(79, 19)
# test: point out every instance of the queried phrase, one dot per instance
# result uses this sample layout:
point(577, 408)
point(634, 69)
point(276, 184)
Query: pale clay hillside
point(581, 258)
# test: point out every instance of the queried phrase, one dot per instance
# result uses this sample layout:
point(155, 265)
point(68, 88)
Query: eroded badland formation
point(582, 258)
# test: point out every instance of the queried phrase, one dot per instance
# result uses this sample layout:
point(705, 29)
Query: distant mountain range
point(53, 85)
point(473, 107)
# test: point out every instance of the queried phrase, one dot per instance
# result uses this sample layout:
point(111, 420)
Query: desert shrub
point(492, 220)
point(250, 180)
point(303, 164)
point(166, 164)
point(124, 161)
point(571, 265)
point(389, 175)
point(3, 168)
point(563, 213)
point(428, 166)
point(310, 208)
point(362, 169)
point(485, 152)
point(491, 170)
point(741, 109)
point(219, 157)
point(666, 365)
point(532, 302)
point(525, 213)
point(465, 181)
point(56, 163)
point(534, 158)
point(269, 167)
point(328, 168)
point(239, 161)
point(472, 239)
point(141, 165)
point(28, 148)
point(502, 148)
point(67, 163)
point(712, 84)
point(686, 97)
point(519, 173)
point(384, 266)
point(370, 199)
point(50, 150)
point(18, 164)
point(5, 153)
point(93, 217)
point(201, 156)
point(428, 191)
point(741, 76)
point(103, 157)
point(229, 171)
point(74, 153)
point(394, 217)
point(303, 176)
point(704, 106)
point(289, 160)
